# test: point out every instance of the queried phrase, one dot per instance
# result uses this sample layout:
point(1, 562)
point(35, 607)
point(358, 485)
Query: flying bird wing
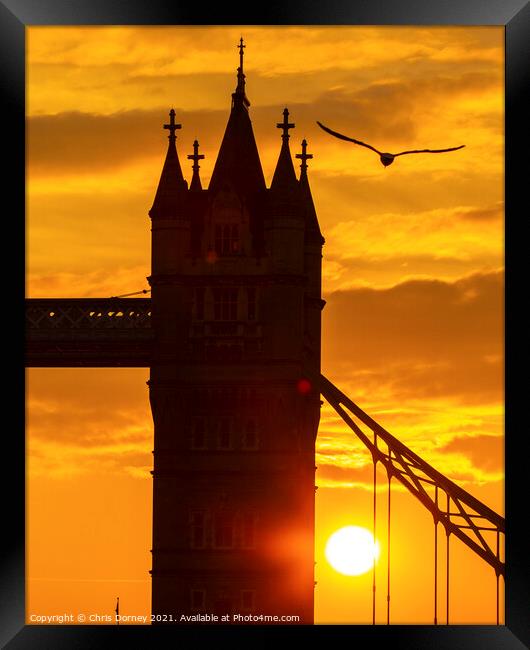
point(429, 150)
point(345, 137)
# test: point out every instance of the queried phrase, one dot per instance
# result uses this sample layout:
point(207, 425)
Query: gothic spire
point(238, 162)
point(196, 156)
point(284, 176)
point(172, 127)
point(304, 156)
point(239, 95)
point(172, 183)
point(310, 214)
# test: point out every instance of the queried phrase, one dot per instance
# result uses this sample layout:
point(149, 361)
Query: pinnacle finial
point(285, 125)
point(239, 96)
point(241, 47)
point(240, 75)
point(196, 156)
point(172, 126)
point(304, 156)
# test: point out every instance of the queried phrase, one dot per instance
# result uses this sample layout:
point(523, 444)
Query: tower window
point(224, 434)
point(251, 303)
point(225, 304)
point(248, 597)
point(224, 530)
point(250, 435)
point(198, 434)
point(248, 530)
point(198, 599)
point(223, 603)
point(226, 239)
point(198, 529)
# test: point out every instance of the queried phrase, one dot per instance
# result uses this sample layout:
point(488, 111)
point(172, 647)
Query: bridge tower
point(236, 310)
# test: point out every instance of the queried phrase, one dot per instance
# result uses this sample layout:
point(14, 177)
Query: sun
point(352, 550)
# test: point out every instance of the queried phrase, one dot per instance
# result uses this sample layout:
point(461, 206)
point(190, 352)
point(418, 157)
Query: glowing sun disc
point(352, 550)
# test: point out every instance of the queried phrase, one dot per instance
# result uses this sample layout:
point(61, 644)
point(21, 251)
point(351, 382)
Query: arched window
point(251, 303)
point(227, 239)
point(224, 529)
point(198, 529)
point(225, 304)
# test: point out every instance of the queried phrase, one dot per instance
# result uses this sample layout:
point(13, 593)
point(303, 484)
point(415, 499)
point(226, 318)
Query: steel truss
point(464, 516)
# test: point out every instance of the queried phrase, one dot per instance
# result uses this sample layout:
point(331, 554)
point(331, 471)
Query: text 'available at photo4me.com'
point(143, 619)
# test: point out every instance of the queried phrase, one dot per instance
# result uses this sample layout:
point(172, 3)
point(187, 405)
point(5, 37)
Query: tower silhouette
point(236, 308)
point(232, 337)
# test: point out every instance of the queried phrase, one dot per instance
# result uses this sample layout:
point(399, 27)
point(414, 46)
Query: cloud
point(406, 333)
point(77, 142)
point(63, 461)
point(486, 213)
point(389, 111)
point(265, 46)
point(437, 428)
point(89, 405)
point(468, 471)
point(92, 284)
point(88, 420)
point(422, 338)
point(331, 475)
point(485, 452)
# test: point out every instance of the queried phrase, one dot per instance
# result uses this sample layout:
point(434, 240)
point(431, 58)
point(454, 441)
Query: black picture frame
point(15, 15)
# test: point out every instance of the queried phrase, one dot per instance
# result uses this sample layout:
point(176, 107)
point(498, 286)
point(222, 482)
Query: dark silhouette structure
point(386, 158)
point(236, 311)
point(232, 337)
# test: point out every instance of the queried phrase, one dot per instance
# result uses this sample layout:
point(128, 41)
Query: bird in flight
point(386, 158)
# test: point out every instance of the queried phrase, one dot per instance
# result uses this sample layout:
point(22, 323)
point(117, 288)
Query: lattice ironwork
point(88, 313)
point(461, 514)
point(88, 332)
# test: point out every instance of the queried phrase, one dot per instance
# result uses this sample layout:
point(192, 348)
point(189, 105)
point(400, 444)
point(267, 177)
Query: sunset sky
point(412, 275)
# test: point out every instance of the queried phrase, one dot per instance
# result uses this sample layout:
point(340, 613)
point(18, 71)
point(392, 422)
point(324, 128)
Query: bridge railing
point(88, 313)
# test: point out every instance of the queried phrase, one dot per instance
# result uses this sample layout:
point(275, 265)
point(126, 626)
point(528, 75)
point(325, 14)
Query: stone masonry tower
point(236, 308)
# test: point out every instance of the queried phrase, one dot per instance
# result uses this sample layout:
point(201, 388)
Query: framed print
point(264, 323)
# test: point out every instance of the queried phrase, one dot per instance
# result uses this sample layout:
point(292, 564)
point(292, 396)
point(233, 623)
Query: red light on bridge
point(303, 386)
point(211, 257)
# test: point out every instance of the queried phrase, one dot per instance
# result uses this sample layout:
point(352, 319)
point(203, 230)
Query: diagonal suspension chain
point(466, 517)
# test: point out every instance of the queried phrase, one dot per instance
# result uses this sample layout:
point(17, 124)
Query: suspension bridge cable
point(388, 553)
point(375, 528)
point(134, 293)
point(412, 472)
point(497, 578)
point(436, 559)
point(448, 533)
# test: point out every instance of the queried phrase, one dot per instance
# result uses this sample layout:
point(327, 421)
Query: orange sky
point(413, 278)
